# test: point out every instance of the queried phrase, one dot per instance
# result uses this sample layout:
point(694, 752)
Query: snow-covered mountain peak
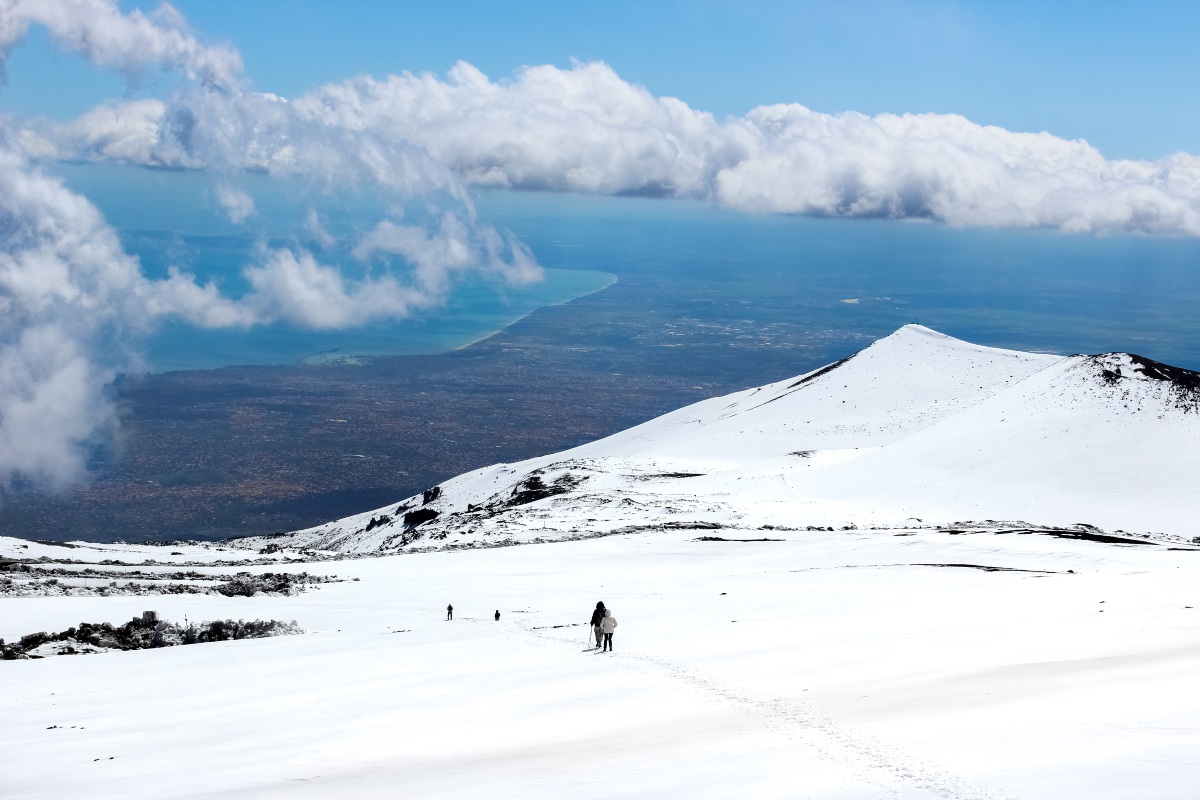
point(896, 386)
point(917, 425)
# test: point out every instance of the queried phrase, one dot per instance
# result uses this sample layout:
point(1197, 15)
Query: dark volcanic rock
point(822, 371)
point(1183, 384)
point(139, 635)
point(422, 515)
point(375, 522)
point(534, 488)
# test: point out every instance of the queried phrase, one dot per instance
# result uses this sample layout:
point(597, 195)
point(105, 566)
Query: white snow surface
point(755, 656)
point(842, 664)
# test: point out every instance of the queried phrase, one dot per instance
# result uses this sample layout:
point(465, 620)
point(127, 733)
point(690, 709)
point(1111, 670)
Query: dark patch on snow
point(376, 522)
point(822, 371)
point(419, 517)
point(431, 494)
point(1157, 370)
point(1184, 384)
point(722, 539)
point(655, 475)
point(275, 535)
point(143, 633)
point(56, 544)
point(534, 488)
point(1081, 531)
point(23, 580)
point(530, 490)
point(1087, 536)
point(246, 584)
point(989, 568)
point(811, 377)
point(404, 539)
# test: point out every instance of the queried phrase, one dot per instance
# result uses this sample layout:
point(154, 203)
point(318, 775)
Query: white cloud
point(72, 303)
point(292, 287)
point(179, 295)
point(947, 168)
point(126, 42)
point(585, 130)
point(312, 222)
point(450, 247)
point(237, 204)
point(52, 406)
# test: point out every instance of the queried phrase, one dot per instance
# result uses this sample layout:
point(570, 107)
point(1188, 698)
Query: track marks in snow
point(895, 773)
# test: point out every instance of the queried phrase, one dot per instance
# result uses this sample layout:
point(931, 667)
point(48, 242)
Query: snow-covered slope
point(917, 427)
point(893, 388)
point(1110, 440)
point(856, 665)
point(764, 659)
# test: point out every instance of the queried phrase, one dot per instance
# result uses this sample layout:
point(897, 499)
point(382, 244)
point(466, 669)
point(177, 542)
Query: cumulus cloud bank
point(585, 129)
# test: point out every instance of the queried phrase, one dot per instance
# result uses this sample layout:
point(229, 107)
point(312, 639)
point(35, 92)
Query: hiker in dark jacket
point(598, 615)
point(449, 612)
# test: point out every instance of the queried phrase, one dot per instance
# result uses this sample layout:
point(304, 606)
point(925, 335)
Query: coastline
point(473, 342)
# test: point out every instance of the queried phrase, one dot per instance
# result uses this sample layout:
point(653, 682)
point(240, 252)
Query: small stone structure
point(148, 619)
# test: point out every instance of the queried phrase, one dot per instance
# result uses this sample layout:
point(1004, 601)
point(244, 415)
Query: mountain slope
point(918, 425)
point(894, 387)
point(1106, 440)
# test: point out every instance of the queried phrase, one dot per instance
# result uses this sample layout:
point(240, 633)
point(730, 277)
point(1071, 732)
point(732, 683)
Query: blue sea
point(1026, 289)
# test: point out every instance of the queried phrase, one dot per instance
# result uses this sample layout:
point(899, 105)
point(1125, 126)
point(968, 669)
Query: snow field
point(850, 672)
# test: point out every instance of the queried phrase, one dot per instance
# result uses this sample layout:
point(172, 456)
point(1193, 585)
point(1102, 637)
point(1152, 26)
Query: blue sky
point(1123, 76)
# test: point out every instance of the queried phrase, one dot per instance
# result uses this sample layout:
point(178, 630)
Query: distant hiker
point(497, 615)
point(598, 615)
point(449, 612)
point(608, 625)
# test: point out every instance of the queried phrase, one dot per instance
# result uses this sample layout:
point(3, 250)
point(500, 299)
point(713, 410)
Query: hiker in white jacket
point(608, 625)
